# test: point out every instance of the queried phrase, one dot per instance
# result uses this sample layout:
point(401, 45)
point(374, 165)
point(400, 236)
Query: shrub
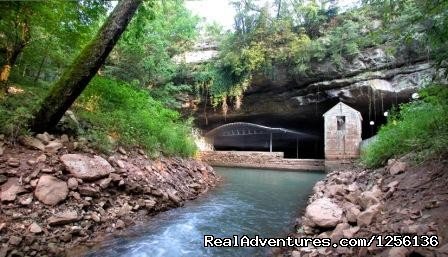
point(420, 127)
point(16, 108)
point(119, 113)
point(113, 112)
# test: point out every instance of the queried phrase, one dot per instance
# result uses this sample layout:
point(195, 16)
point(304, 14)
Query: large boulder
point(50, 190)
point(32, 143)
point(10, 189)
point(85, 167)
point(324, 213)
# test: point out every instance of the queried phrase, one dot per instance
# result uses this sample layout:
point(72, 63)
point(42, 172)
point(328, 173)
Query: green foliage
point(417, 21)
point(306, 32)
point(312, 15)
point(295, 35)
point(420, 127)
point(112, 113)
point(15, 109)
point(14, 122)
point(300, 33)
point(161, 30)
point(46, 33)
point(167, 94)
point(118, 113)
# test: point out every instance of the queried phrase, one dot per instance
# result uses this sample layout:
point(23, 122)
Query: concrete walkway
point(260, 160)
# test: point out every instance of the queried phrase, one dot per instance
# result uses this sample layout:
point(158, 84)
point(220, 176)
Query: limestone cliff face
point(372, 82)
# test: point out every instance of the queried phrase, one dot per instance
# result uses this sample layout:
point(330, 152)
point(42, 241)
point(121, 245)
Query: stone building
point(343, 130)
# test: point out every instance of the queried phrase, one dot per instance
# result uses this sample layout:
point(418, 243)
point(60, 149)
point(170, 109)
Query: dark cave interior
point(310, 122)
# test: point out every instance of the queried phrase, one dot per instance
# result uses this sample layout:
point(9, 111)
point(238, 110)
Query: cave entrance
point(243, 136)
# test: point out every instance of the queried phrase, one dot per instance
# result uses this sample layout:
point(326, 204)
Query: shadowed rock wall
point(371, 82)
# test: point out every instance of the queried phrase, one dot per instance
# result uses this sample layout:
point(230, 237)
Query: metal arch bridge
point(245, 128)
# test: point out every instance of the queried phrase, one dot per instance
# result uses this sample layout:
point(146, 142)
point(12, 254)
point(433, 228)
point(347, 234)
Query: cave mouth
point(243, 136)
point(308, 119)
point(293, 147)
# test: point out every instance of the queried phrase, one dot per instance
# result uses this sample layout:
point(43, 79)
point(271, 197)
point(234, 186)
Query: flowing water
point(249, 202)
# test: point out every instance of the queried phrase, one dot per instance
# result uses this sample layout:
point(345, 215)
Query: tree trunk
point(40, 69)
point(11, 58)
point(279, 8)
point(13, 52)
point(78, 75)
point(4, 75)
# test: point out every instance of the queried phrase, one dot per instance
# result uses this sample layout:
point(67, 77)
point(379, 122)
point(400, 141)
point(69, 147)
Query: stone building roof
point(342, 106)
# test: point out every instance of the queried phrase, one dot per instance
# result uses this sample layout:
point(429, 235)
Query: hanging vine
point(238, 101)
point(224, 107)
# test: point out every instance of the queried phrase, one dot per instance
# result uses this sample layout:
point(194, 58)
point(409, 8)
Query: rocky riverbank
point(399, 199)
point(56, 193)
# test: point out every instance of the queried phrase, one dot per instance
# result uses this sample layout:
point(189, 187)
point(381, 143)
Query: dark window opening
point(341, 122)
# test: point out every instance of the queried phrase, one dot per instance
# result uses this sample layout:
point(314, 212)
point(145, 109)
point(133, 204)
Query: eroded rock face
point(324, 213)
point(51, 190)
point(373, 76)
point(86, 168)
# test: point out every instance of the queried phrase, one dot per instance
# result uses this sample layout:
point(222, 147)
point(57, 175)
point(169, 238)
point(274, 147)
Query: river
point(249, 202)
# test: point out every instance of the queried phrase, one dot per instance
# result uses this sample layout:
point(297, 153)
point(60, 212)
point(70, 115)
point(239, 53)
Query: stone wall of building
point(261, 160)
point(342, 141)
